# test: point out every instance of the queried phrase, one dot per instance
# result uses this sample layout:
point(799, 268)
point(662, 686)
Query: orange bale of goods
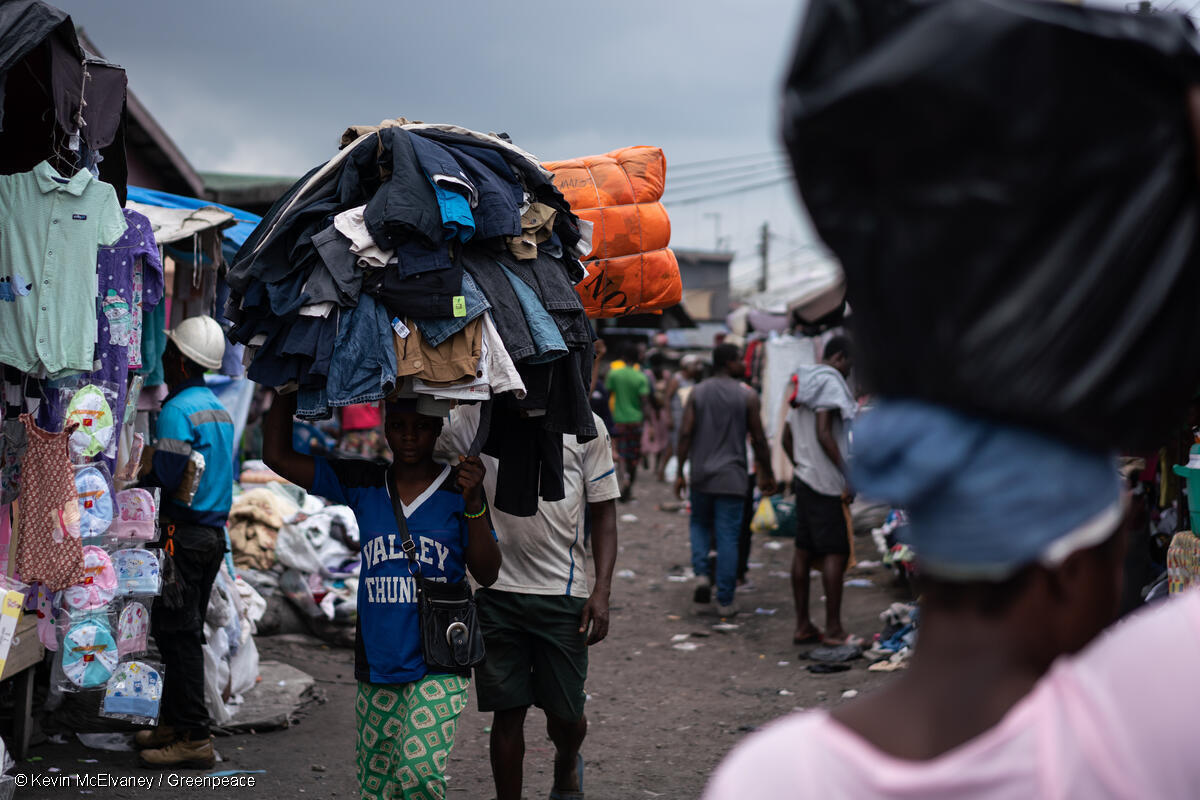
point(630, 269)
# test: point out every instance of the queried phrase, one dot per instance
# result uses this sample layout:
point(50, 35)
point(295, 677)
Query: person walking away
point(719, 414)
point(815, 442)
point(540, 618)
point(679, 387)
point(192, 421)
point(406, 717)
point(630, 391)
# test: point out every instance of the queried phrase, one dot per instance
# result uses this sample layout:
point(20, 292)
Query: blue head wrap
point(984, 499)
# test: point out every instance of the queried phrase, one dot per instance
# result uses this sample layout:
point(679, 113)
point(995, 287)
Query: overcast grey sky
point(266, 86)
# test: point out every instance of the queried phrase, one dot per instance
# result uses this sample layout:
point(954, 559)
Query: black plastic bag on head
point(1012, 190)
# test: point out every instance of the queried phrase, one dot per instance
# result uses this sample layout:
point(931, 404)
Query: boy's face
point(410, 435)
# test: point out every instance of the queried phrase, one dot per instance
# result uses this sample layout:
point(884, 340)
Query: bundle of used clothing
point(254, 523)
point(630, 269)
point(433, 262)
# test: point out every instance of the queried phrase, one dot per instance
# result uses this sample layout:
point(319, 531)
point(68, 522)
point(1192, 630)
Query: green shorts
point(535, 653)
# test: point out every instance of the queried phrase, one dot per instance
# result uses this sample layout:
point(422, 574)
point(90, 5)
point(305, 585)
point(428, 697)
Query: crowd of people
point(538, 614)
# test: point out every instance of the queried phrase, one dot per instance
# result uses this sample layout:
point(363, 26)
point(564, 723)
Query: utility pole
point(716, 218)
point(763, 245)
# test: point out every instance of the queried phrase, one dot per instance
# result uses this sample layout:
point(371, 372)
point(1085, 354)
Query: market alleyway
point(663, 709)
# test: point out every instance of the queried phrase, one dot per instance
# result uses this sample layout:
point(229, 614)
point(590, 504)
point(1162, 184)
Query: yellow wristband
point(482, 511)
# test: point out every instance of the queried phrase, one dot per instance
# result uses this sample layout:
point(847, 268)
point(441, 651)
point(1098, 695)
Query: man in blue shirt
point(192, 422)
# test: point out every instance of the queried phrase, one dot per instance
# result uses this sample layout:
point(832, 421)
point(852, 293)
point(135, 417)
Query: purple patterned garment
point(129, 277)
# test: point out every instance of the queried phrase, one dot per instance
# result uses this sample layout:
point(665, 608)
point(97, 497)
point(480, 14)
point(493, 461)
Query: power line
point(721, 184)
point(740, 190)
point(724, 174)
point(725, 160)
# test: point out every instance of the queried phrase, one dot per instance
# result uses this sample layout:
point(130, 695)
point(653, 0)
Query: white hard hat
point(201, 340)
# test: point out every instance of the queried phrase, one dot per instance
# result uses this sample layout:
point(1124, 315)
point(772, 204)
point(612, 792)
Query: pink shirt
point(1121, 719)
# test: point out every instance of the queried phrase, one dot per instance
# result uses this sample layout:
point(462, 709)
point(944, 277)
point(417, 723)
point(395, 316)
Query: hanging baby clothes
point(49, 549)
point(129, 276)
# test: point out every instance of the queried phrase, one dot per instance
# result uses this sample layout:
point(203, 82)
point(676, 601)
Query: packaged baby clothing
point(95, 502)
point(132, 628)
point(138, 571)
point(89, 653)
point(135, 689)
point(90, 410)
point(99, 583)
point(136, 515)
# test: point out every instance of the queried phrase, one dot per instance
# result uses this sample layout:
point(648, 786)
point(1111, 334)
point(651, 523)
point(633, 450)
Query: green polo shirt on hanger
point(50, 229)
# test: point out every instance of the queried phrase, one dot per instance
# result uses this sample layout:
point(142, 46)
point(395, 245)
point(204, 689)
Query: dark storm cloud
point(562, 78)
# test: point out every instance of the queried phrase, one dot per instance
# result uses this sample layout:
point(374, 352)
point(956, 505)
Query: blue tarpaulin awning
point(246, 222)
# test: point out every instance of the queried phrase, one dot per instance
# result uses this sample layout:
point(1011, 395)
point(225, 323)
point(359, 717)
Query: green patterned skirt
point(405, 733)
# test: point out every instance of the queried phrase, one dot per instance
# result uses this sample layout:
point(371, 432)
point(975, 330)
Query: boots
point(155, 737)
point(185, 752)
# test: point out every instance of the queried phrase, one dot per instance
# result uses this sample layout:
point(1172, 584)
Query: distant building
point(705, 276)
point(254, 193)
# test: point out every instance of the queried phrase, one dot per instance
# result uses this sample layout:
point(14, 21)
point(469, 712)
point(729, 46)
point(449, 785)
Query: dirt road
point(661, 718)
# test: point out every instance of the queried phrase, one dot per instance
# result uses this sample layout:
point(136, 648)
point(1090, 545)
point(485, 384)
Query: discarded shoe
point(835, 655)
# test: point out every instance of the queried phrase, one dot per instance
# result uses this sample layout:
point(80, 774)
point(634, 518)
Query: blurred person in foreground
point(1015, 689)
point(1020, 541)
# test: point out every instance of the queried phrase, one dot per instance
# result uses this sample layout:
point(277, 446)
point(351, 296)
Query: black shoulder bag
point(451, 639)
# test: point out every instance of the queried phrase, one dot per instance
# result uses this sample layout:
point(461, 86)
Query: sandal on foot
point(816, 637)
point(851, 639)
point(568, 794)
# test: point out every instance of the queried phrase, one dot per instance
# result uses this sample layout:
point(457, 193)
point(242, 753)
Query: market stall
point(91, 272)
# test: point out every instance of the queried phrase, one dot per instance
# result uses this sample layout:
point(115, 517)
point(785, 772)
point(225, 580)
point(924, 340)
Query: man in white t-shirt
point(539, 617)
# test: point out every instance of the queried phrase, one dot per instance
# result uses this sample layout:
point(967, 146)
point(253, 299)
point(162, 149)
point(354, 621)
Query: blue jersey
point(389, 638)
